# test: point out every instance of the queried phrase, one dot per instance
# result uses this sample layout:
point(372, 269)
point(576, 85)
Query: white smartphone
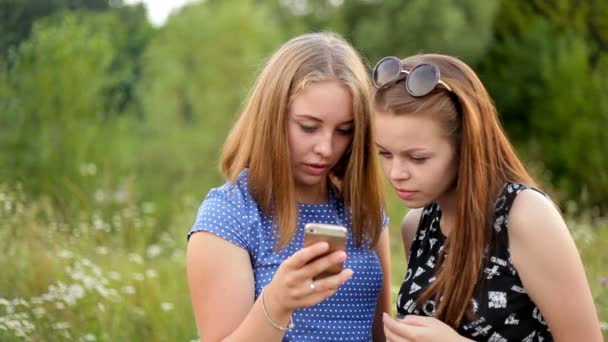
point(333, 234)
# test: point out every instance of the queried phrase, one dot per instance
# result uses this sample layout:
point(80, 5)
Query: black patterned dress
point(504, 310)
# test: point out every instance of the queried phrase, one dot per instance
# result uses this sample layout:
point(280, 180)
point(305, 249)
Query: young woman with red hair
point(489, 255)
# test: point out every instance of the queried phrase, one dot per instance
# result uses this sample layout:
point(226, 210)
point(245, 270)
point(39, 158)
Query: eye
point(418, 159)
point(385, 154)
point(345, 131)
point(307, 128)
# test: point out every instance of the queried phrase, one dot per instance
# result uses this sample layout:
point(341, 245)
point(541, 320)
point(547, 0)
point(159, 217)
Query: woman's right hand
point(293, 287)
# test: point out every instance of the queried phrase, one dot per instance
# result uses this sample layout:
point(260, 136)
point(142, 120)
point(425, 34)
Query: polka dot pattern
point(231, 213)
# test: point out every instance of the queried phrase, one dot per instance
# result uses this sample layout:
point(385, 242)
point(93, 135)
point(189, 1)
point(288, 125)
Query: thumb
point(416, 320)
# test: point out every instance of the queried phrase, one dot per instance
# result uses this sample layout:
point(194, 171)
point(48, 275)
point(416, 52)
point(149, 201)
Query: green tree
point(392, 27)
point(197, 71)
point(547, 72)
point(18, 16)
point(53, 106)
point(397, 27)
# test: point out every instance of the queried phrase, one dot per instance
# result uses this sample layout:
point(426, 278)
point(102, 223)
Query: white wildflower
point(39, 311)
point(65, 254)
point(166, 306)
point(151, 273)
point(100, 196)
point(114, 275)
point(154, 251)
point(90, 337)
point(148, 207)
point(101, 250)
point(36, 300)
point(128, 289)
point(61, 325)
point(136, 258)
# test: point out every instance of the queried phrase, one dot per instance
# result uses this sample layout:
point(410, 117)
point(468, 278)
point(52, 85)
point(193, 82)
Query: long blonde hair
point(258, 140)
point(487, 161)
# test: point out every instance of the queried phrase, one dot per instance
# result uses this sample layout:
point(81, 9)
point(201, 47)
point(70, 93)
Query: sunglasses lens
point(387, 71)
point(422, 80)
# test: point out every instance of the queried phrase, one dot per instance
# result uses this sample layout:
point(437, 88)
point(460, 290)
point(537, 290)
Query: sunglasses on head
point(419, 80)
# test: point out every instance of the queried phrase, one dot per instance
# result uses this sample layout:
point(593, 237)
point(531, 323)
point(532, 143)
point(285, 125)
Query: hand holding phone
point(334, 235)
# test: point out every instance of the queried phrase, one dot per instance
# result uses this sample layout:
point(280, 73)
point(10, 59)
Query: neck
point(315, 194)
point(448, 206)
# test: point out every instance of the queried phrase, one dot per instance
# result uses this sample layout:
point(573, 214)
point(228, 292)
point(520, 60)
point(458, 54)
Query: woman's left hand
point(414, 328)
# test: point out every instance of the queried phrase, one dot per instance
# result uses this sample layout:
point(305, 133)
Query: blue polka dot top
point(231, 213)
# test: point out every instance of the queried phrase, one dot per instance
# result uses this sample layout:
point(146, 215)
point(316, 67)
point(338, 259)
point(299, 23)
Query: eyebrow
point(409, 150)
point(314, 118)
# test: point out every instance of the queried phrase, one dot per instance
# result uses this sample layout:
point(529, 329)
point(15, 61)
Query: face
point(416, 156)
point(320, 129)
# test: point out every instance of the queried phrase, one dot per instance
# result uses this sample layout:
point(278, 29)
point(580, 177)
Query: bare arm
point(221, 284)
point(408, 229)
point(551, 269)
point(222, 289)
point(384, 298)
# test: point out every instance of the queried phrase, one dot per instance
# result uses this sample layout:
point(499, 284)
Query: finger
point(416, 320)
point(333, 283)
point(316, 267)
point(391, 336)
point(306, 254)
point(390, 333)
point(397, 329)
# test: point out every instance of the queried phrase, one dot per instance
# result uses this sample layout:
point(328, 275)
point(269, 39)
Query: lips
point(405, 194)
point(316, 169)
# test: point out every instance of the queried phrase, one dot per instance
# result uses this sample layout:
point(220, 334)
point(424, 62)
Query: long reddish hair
point(487, 161)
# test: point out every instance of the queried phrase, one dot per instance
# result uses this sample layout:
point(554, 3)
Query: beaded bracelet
point(289, 326)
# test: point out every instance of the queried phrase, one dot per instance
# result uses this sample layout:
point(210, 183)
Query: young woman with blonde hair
point(489, 255)
point(301, 151)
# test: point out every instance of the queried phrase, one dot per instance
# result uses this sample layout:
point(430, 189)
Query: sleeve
point(385, 220)
point(219, 215)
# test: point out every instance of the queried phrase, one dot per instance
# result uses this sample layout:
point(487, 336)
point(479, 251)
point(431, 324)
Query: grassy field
point(116, 273)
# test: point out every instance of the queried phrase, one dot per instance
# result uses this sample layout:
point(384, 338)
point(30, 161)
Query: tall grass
point(109, 275)
point(100, 278)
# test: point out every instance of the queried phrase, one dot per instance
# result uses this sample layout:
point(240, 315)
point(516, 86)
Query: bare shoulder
point(543, 252)
point(409, 225)
point(533, 213)
point(220, 279)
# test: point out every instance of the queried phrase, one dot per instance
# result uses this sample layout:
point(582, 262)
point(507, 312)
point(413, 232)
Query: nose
point(399, 170)
point(324, 145)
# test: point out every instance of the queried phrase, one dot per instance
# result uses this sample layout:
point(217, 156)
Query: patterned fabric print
point(231, 213)
point(504, 310)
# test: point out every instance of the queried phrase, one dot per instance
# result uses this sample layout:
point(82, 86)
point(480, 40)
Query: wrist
point(276, 314)
point(275, 305)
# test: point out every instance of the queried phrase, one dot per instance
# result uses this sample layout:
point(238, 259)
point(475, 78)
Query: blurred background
point(113, 113)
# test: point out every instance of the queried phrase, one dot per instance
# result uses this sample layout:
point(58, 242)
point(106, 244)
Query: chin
point(310, 180)
point(414, 204)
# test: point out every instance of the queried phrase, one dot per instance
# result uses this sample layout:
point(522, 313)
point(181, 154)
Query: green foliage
point(197, 71)
point(130, 32)
point(51, 104)
point(90, 281)
point(394, 27)
point(557, 110)
point(60, 101)
point(17, 16)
